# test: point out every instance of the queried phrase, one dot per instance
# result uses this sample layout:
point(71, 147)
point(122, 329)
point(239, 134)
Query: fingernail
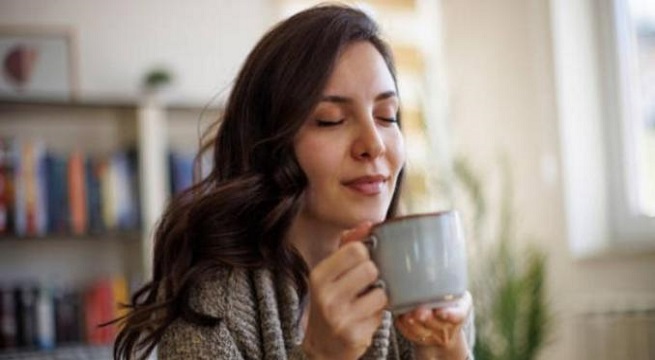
point(423, 316)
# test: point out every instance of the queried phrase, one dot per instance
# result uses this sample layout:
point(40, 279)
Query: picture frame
point(38, 64)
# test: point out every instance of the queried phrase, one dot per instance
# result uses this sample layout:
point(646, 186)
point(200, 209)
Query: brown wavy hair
point(239, 214)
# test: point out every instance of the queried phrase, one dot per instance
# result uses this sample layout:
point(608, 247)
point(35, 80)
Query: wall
point(500, 73)
point(119, 41)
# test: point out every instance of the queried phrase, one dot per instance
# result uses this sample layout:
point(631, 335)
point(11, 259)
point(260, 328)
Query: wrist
point(312, 353)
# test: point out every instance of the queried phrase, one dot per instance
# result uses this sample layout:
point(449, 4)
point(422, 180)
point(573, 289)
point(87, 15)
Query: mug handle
point(371, 243)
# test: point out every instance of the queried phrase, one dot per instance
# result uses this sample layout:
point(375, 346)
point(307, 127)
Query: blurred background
point(534, 118)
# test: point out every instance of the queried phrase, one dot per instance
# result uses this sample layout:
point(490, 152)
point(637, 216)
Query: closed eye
point(328, 123)
point(390, 120)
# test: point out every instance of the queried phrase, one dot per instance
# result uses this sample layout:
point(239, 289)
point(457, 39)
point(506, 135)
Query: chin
point(372, 216)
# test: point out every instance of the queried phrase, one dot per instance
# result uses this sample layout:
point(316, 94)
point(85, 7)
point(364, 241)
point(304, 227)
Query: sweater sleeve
point(469, 333)
point(183, 340)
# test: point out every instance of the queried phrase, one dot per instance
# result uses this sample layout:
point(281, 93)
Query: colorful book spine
point(98, 309)
point(58, 213)
point(31, 189)
point(8, 330)
point(107, 186)
point(181, 168)
point(69, 326)
point(77, 193)
point(125, 195)
point(7, 163)
point(41, 317)
point(45, 319)
point(43, 192)
point(94, 197)
point(42, 181)
point(20, 181)
point(25, 298)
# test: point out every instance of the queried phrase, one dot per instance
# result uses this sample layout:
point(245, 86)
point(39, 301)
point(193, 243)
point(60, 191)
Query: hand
point(438, 331)
point(343, 313)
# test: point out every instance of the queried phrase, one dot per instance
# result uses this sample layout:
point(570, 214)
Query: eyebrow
point(343, 99)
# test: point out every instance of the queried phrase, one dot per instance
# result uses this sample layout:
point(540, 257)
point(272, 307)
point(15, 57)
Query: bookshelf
point(94, 258)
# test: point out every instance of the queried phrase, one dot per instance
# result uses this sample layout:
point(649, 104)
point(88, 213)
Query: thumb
point(358, 233)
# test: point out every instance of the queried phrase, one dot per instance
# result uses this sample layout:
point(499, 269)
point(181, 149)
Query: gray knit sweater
point(261, 315)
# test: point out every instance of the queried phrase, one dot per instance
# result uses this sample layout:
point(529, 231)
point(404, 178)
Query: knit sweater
point(260, 315)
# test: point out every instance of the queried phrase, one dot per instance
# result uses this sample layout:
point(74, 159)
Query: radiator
point(617, 327)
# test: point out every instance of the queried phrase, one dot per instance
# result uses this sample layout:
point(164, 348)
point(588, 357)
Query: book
point(30, 191)
point(58, 213)
point(8, 325)
point(45, 319)
point(25, 299)
point(94, 196)
point(98, 309)
point(125, 195)
point(77, 193)
point(69, 326)
point(120, 293)
point(7, 160)
point(106, 176)
point(181, 171)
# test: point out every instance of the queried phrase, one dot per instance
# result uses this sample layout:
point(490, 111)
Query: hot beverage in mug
point(421, 259)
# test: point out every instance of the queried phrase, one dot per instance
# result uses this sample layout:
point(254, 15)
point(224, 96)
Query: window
point(628, 33)
point(639, 49)
point(604, 56)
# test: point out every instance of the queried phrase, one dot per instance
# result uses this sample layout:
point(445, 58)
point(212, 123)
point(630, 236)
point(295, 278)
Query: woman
point(262, 259)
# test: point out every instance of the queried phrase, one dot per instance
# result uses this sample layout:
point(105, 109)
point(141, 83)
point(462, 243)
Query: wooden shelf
point(70, 352)
point(134, 235)
point(113, 103)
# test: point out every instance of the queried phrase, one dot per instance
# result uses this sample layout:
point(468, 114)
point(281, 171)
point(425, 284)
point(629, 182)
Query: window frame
point(594, 110)
point(630, 225)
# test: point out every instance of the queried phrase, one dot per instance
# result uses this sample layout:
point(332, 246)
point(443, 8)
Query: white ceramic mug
point(421, 259)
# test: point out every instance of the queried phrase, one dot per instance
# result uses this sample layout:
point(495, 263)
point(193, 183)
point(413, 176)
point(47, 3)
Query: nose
point(368, 143)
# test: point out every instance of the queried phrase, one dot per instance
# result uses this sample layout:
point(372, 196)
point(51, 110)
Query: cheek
point(314, 160)
point(396, 151)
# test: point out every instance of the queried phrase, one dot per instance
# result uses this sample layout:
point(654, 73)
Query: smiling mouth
point(367, 185)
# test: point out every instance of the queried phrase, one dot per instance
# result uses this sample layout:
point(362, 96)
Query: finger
point(360, 232)
point(458, 312)
point(412, 329)
point(335, 265)
point(442, 329)
point(355, 281)
point(370, 303)
point(368, 326)
point(422, 331)
point(421, 313)
point(340, 262)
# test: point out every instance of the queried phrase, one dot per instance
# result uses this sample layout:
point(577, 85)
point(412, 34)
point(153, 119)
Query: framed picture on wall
point(37, 64)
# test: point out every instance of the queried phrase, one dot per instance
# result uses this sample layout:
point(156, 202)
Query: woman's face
point(351, 148)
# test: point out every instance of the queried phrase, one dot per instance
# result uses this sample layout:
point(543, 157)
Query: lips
point(367, 185)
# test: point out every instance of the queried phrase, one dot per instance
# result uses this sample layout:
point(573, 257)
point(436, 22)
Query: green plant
point(508, 284)
point(157, 78)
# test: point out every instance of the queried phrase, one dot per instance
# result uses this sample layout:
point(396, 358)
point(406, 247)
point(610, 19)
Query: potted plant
point(513, 319)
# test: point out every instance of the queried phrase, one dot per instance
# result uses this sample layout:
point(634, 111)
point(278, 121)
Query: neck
point(314, 240)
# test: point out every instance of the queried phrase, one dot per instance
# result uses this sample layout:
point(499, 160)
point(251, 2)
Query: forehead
point(360, 69)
